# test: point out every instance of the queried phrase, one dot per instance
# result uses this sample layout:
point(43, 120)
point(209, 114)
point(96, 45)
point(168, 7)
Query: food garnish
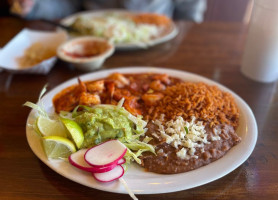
point(111, 175)
point(58, 147)
point(47, 127)
point(105, 154)
point(74, 130)
point(77, 160)
point(103, 160)
point(186, 130)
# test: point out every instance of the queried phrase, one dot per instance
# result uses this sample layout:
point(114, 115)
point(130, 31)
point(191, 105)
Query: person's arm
point(165, 7)
point(21, 7)
point(190, 9)
point(46, 9)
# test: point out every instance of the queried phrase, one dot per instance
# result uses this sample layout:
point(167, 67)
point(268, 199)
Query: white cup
point(260, 57)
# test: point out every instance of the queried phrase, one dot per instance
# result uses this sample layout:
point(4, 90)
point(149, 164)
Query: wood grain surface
point(210, 49)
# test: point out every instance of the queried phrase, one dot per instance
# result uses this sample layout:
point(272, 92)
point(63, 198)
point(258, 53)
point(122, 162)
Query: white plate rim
point(125, 46)
point(142, 182)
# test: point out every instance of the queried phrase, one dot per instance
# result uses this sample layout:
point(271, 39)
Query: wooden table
point(212, 50)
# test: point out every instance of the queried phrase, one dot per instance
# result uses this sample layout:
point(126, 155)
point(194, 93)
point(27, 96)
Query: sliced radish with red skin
point(112, 175)
point(121, 161)
point(77, 160)
point(105, 154)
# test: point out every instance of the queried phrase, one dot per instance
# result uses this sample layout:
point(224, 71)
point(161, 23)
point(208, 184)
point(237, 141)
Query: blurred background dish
point(31, 51)
point(127, 30)
point(86, 53)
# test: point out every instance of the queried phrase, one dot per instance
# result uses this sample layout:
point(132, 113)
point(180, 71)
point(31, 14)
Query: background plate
point(171, 32)
point(138, 180)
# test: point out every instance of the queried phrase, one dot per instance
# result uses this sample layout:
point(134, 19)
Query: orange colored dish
point(151, 18)
point(137, 89)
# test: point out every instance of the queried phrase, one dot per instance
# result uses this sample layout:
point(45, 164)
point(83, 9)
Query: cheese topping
point(188, 135)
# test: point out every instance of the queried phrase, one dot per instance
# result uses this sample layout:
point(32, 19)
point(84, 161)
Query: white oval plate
point(172, 30)
point(140, 181)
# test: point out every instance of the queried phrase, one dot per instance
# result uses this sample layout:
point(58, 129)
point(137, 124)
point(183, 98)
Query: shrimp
point(81, 86)
point(119, 79)
point(131, 105)
point(152, 99)
point(157, 85)
point(89, 99)
point(164, 78)
point(110, 88)
point(121, 93)
point(95, 86)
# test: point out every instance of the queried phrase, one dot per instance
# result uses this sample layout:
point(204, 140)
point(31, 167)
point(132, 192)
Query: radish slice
point(121, 161)
point(77, 160)
point(105, 154)
point(112, 175)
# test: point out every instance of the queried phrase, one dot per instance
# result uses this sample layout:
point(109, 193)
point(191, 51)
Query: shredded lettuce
point(118, 29)
point(66, 114)
point(130, 156)
point(84, 108)
point(138, 145)
point(121, 103)
point(39, 106)
point(147, 139)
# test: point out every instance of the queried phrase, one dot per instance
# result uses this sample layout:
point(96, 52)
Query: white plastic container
point(16, 47)
point(260, 58)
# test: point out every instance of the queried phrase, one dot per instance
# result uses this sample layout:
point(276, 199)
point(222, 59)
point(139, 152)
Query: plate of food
point(180, 130)
point(127, 30)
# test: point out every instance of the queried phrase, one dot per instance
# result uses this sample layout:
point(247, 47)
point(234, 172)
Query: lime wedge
point(48, 127)
point(75, 131)
point(58, 147)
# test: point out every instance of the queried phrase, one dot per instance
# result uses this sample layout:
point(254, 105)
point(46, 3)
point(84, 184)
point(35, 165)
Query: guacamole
point(104, 122)
point(101, 124)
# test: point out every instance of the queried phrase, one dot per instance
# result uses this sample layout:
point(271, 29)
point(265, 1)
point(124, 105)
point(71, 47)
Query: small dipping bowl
point(86, 53)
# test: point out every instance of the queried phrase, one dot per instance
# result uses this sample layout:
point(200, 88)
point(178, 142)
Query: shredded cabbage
point(117, 28)
point(39, 106)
